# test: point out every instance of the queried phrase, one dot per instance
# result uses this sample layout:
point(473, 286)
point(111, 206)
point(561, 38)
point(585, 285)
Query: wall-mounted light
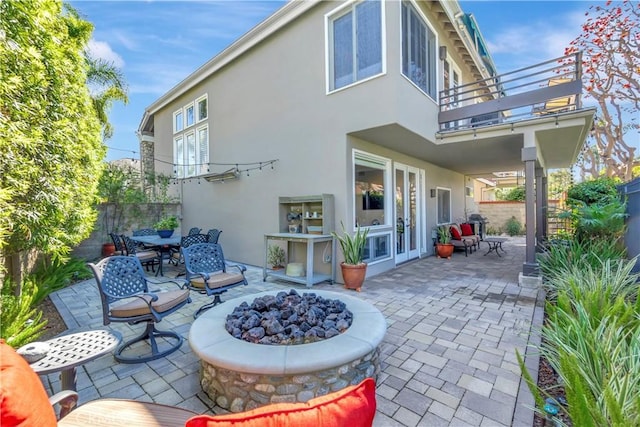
point(432, 192)
point(442, 53)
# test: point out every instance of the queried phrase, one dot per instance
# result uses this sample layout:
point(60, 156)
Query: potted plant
point(276, 257)
point(353, 268)
point(165, 226)
point(444, 248)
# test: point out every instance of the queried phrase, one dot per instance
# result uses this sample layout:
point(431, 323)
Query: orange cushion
point(353, 406)
point(455, 234)
point(23, 401)
point(466, 229)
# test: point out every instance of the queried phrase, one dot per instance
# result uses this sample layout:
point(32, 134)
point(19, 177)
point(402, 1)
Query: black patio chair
point(148, 258)
point(206, 271)
point(214, 235)
point(194, 230)
point(118, 244)
point(145, 232)
point(185, 242)
point(126, 298)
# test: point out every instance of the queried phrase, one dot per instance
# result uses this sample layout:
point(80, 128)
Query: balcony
point(549, 88)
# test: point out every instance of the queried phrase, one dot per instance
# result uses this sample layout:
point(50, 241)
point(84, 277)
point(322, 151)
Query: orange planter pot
point(444, 250)
point(108, 249)
point(353, 275)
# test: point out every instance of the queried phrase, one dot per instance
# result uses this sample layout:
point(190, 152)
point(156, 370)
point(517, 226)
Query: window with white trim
point(418, 50)
point(202, 109)
point(443, 201)
point(355, 43)
point(203, 149)
point(372, 197)
point(178, 121)
point(178, 156)
point(189, 115)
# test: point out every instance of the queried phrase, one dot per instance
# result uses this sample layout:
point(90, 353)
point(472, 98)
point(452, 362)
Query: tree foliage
point(50, 135)
point(610, 42)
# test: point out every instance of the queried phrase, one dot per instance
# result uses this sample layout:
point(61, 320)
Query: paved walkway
point(448, 357)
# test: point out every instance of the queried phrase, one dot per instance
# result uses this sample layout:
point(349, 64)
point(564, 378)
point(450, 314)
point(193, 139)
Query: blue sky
point(159, 43)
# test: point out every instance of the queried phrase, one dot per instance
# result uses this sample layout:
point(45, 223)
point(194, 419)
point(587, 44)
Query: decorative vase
point(444, 250)
point(353, 275)
point(165, 234)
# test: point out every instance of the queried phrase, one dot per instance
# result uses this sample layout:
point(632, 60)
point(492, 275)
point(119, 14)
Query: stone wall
point(498, 213)
point(242, 391)
point(135, 216)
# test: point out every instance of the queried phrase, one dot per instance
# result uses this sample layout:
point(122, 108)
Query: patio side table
point(495, 244)
point(66, 352)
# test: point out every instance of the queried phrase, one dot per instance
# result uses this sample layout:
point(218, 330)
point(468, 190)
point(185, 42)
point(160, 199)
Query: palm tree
point(107, 85)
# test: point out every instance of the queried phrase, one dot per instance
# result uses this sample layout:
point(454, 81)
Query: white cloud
point(102, 50)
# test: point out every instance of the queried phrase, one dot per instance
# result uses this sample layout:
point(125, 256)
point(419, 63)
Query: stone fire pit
point(240, 376)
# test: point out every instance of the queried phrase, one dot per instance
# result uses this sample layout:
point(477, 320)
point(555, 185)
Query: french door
point(407, 212)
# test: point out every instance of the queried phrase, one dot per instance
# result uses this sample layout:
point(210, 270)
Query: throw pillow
point(455, 234)
point(353, 406)
point(466, 229)
point(23, 400)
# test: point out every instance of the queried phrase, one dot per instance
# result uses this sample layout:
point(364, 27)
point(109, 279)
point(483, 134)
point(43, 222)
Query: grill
point(480, 224)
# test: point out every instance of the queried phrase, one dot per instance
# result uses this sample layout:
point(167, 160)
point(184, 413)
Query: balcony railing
point(551, 87)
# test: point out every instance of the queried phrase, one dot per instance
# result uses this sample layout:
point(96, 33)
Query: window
point(355, 43)
point(178, 121)
point(189, 115)
point(370, 200)
point(178, 156)
point(377, 247)
point(203, 149)
point(444, 205)
point(201, 104)
point(418, 51)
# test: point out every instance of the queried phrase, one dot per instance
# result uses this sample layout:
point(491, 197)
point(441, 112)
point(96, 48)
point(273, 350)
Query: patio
point(448, 357)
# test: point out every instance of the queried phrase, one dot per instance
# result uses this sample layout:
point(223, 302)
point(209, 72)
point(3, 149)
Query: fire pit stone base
point(239, 376)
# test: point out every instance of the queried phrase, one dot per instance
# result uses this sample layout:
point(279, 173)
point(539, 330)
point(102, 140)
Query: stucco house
point(392, 107)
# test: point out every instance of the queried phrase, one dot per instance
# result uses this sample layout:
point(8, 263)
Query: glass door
point(407, 213)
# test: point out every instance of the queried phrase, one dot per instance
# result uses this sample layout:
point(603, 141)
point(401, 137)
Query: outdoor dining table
point(163, 245)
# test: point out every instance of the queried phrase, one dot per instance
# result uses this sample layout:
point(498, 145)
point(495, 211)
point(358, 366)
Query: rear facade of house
point(333, 98)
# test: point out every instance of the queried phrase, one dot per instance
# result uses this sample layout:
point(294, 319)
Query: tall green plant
point(20, 322)
point(352, 246)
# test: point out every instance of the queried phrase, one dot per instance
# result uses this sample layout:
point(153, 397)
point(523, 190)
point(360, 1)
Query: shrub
point(516, 194)
point(20, 322)
point(513, 226)
point(599, 191)
point(50, 277)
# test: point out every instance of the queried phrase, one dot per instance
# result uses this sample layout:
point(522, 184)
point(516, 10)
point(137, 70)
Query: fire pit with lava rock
point(288, 319)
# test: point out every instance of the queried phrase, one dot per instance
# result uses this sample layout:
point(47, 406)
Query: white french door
point(407, 200)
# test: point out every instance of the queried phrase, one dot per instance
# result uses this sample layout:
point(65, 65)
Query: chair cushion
point(23, 400)
point(217, 280)
point(455, 233)
point(146, 256)
point(466, 229)
point(136, 307)
point(352, 406)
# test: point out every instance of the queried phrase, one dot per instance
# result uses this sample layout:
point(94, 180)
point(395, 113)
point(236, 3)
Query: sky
point(158, 43)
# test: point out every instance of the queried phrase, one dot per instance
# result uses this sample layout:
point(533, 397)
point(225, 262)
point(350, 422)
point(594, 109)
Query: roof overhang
point(558, 138)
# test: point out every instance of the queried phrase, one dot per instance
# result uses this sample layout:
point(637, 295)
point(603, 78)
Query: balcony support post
point(542, 206)
point(529, 157)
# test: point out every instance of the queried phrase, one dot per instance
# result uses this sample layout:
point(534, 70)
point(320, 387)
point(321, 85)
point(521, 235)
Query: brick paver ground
point(448, 358)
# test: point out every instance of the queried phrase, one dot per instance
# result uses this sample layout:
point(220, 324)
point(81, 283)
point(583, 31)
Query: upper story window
point(444, 205)
point(202, 108)
point(355, 43)
point(189, 115)
point(418, 51)
point(178, 121)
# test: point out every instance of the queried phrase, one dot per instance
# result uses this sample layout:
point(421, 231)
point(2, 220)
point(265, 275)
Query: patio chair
point(145, 232)
point(119, 245)
point(214, 235)
point(185, 242)
point(148, 258)
point(194, 230)
point(126, 298)
point(206, 272)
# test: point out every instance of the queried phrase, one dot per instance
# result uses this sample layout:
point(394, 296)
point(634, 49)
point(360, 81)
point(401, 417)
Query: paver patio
point(448, 357)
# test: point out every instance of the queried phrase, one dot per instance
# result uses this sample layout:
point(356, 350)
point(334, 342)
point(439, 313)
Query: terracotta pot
point(108, 249)
point(353, 275)
point(444, 250)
